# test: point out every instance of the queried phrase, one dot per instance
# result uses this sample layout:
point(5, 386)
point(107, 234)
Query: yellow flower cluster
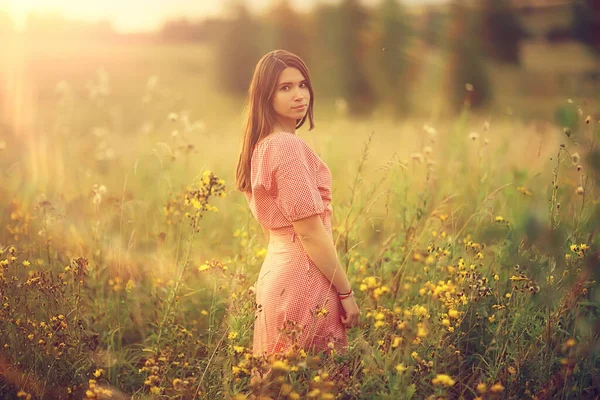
point(373, 287)
point(97, 392)
point(443, 380)
point(213, 265)
point(580, 250)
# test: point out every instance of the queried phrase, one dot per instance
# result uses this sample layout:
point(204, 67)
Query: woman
point(302, 291)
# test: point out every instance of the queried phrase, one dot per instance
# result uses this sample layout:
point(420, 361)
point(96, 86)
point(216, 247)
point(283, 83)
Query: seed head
point(575, 158)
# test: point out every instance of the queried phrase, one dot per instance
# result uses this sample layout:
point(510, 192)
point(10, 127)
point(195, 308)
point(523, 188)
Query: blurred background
point(93, 93)
point(399, 57)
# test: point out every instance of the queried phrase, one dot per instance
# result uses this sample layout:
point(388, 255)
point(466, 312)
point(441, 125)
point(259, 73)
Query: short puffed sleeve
point(285, 170)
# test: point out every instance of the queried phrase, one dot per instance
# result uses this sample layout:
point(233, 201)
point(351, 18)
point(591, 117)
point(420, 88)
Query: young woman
point(302, 291)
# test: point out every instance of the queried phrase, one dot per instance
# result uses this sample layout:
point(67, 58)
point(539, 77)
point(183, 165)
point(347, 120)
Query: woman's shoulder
point(283, 142)
point(280, 137)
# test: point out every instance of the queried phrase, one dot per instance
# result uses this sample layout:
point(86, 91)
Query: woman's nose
point(298, 93)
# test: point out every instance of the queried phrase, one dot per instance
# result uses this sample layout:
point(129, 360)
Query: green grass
point(116, 283)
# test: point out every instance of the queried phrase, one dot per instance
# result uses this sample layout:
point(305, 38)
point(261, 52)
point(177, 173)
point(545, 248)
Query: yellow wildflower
point(497, 388)
point(443, 379)
point(400, 368)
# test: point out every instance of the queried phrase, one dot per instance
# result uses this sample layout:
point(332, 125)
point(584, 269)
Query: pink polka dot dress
point(290, 182)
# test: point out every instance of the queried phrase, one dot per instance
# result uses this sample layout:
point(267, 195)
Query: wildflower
point(473, 136)
point(570, 343)
point(453, 313)
point(232, 335)
point(98, 373)
point(279, 365)
point(469, 87)
point(481, 388)
point(322, 312)
point(261, 253)
point(203, 267)
point(499, 218)
point(579, 190)
point(508, 295)
point(400, 368)
point(155, 390)
point(574, 248)
point(26, 263)
point(584, 247)
point(575, 158)
point(177, 383)
point(443, 379)
point(396, 342)
point(511, 370)
point(497, 388)
point(379, 324)
point(418, 157)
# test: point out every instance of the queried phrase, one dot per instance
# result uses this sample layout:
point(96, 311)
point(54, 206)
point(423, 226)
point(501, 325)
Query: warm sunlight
point(126, 16)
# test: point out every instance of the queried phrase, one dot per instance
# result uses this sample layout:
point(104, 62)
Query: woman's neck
point(285, 127)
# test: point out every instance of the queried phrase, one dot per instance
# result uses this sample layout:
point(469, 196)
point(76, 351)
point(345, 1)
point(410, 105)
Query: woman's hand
point(352, 317)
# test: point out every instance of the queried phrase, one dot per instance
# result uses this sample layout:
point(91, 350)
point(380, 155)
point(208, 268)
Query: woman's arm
point(321, 250)
point(266, 231)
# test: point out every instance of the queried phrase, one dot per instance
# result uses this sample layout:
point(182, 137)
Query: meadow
point(127, 258)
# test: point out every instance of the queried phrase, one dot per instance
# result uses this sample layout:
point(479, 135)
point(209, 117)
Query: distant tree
point(466, 65)
point(182, 29)
point(502, 31)
point(434, 26)
point(287, 30)
point(325, 38)
point(586, 22)
point(238, 50)
point(396, 34)
point(356, 88)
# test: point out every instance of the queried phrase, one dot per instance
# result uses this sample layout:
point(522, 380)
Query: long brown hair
point(259, 107)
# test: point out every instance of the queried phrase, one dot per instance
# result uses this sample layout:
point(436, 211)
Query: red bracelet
point(343, 296)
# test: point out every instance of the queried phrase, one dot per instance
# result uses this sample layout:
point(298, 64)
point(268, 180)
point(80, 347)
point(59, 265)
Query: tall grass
point(128, 263)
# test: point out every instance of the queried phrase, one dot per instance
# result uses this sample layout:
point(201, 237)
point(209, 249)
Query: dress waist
point(287, 233)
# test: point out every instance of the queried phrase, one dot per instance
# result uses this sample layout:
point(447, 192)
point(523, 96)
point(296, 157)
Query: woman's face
point(292, 96)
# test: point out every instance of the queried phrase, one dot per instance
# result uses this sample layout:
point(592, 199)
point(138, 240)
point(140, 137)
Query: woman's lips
point(299, 107)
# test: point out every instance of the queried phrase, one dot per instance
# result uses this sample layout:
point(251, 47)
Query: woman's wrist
point(343, 296)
